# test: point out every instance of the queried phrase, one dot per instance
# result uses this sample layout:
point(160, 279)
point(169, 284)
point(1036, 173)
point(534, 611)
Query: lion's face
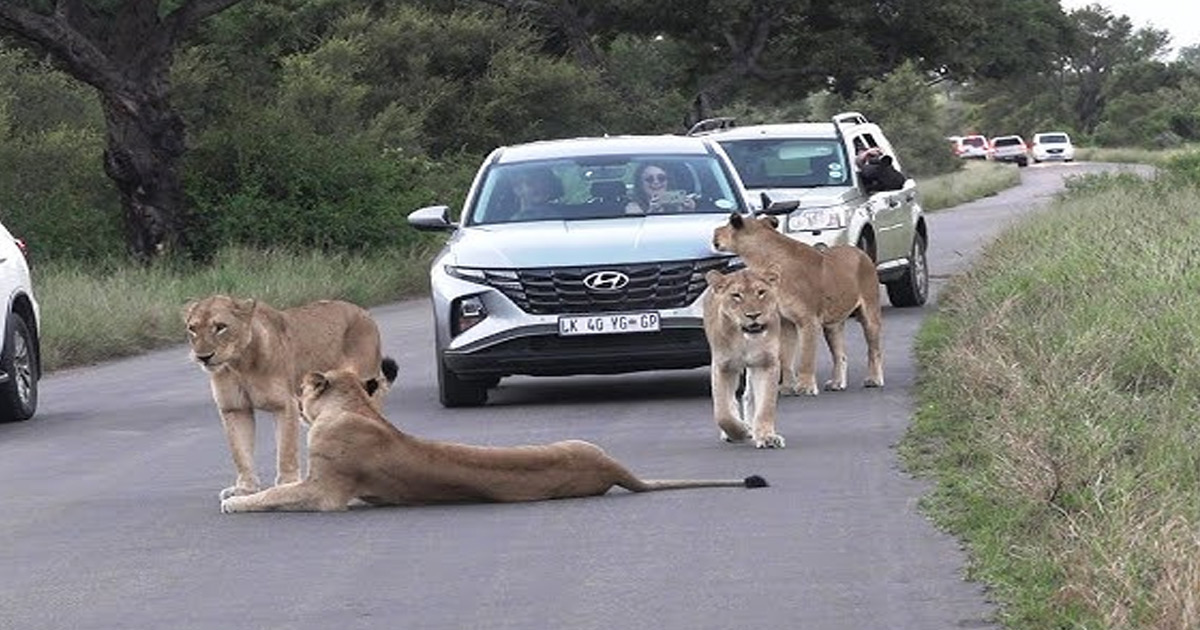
point(218, 328)
point(739, 229)
point(748, 299)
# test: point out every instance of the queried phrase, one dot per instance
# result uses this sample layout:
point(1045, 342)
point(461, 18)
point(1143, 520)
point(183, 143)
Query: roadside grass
point(1057, 411)
point(112, 311)
point(1131, 155)
point(977, 178)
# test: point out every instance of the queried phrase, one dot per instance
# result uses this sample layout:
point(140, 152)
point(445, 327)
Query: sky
point(1180, 17)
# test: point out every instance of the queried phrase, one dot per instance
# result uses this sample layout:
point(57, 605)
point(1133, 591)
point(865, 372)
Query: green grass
point(1057, 411)
point(1130, 155)
point(976, 179)
point(91, 315)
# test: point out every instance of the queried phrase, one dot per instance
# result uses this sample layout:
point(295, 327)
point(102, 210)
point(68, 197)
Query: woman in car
point(652, 193)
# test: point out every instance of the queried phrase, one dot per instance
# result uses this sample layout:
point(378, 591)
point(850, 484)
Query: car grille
point(652, 286)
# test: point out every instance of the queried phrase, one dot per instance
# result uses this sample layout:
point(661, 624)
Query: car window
point(1008, 141)
point(975, 141)
point(595, 187)
point(788, 162)
point(1053, 138)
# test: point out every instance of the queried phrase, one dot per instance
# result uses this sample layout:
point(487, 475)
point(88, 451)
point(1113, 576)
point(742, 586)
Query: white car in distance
point(1052, 145)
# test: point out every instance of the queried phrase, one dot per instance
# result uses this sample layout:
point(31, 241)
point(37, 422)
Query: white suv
point(814, 162)
point(561, 264)
point(1052, 145)
point(20, 352)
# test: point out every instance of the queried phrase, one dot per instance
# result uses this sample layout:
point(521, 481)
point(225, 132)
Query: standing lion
point(818, 291)
point(255, 356)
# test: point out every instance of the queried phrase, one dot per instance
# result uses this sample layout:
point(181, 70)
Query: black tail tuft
point(390, 369)
point(755, 481)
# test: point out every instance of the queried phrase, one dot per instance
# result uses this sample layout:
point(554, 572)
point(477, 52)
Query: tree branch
point(79, 57)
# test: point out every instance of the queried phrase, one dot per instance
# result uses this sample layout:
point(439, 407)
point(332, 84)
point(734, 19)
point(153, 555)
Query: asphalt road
point(109, 515)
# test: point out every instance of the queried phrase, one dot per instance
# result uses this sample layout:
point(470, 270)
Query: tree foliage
point(321, 123)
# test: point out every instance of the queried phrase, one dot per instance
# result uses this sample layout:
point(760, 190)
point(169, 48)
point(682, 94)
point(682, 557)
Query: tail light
point(24, 247)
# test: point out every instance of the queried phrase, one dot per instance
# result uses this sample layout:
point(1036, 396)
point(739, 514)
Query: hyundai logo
point(606, 281)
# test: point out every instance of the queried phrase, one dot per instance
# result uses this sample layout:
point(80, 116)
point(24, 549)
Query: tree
point(124, 49)
point(1103, 43)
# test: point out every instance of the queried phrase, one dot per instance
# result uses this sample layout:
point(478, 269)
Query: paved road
point(109, 517)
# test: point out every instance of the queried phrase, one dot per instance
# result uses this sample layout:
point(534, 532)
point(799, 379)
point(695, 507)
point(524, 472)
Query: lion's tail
point(390, 369)
point(647, 485)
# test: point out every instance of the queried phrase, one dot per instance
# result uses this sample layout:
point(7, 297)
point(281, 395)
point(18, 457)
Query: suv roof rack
point(712, 124)
point(850, 118)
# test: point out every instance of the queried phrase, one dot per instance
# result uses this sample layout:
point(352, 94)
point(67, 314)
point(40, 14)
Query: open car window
point(788, 162)
point(595, 187)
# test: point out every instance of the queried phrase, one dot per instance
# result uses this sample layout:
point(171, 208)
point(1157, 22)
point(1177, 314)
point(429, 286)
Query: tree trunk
point(144, 150)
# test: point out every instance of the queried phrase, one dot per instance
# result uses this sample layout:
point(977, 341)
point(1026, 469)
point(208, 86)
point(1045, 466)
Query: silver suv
point(814, 162)
point(20, 352)
point(581, 256)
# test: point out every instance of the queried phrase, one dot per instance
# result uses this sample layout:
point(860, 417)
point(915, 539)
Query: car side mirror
point(779, 205)
point(432, 219)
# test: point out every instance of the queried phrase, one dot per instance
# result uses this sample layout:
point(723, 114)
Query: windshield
point(603, 187)
point(788, 162)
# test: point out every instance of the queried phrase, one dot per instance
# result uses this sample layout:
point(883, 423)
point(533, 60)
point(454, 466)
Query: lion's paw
point(834, 386)
point(772, 440)
point(738, 435)
point(236, 491)
point(873, 383)
point(231, 505)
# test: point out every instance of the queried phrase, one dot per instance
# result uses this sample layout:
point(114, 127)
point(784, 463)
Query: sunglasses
point(655, 178)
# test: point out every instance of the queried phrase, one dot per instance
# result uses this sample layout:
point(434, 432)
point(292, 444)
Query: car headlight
point(490, 277)
point(817, 219)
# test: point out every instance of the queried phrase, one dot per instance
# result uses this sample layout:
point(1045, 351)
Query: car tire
point(456, 392)
point(912, 288)
point(19, 393)
point(867, 244)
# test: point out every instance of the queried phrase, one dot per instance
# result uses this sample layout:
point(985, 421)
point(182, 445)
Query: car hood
point(809, 197)
point(571, 243)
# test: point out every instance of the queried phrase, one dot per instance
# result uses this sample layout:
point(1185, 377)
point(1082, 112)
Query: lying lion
point(746, 336)
point(256, 355)
point(819, 290)
point(355, 453)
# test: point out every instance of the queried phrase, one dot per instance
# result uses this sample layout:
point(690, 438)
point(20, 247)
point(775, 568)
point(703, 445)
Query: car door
point(890, 209)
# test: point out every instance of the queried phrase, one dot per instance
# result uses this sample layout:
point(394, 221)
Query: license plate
point(609, 324)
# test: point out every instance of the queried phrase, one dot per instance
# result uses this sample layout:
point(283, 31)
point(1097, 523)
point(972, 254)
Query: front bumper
point(541, 352)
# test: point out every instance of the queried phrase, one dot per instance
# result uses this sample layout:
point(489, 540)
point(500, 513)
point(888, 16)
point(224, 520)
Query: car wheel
point(912, 288)
point(867, 244)
point(456, 392)
point(19, 391)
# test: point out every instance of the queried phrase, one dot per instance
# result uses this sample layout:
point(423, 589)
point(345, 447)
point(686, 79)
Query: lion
point(746, 335)
point(355, 454)
point(819, 289)
point(256, 355)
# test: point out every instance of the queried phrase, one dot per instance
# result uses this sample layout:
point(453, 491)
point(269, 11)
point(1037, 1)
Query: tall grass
point(1058, 400)
point(1130, 155)
point(976, 179)
point(98, 314)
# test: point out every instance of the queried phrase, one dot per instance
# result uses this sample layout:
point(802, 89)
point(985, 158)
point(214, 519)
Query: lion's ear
point(770, 220)
point(317, 382)
point(715, 279)
point(736, 220)
point(187, 309)
point(371, 385)
point(771, 274)
point(245, 306)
